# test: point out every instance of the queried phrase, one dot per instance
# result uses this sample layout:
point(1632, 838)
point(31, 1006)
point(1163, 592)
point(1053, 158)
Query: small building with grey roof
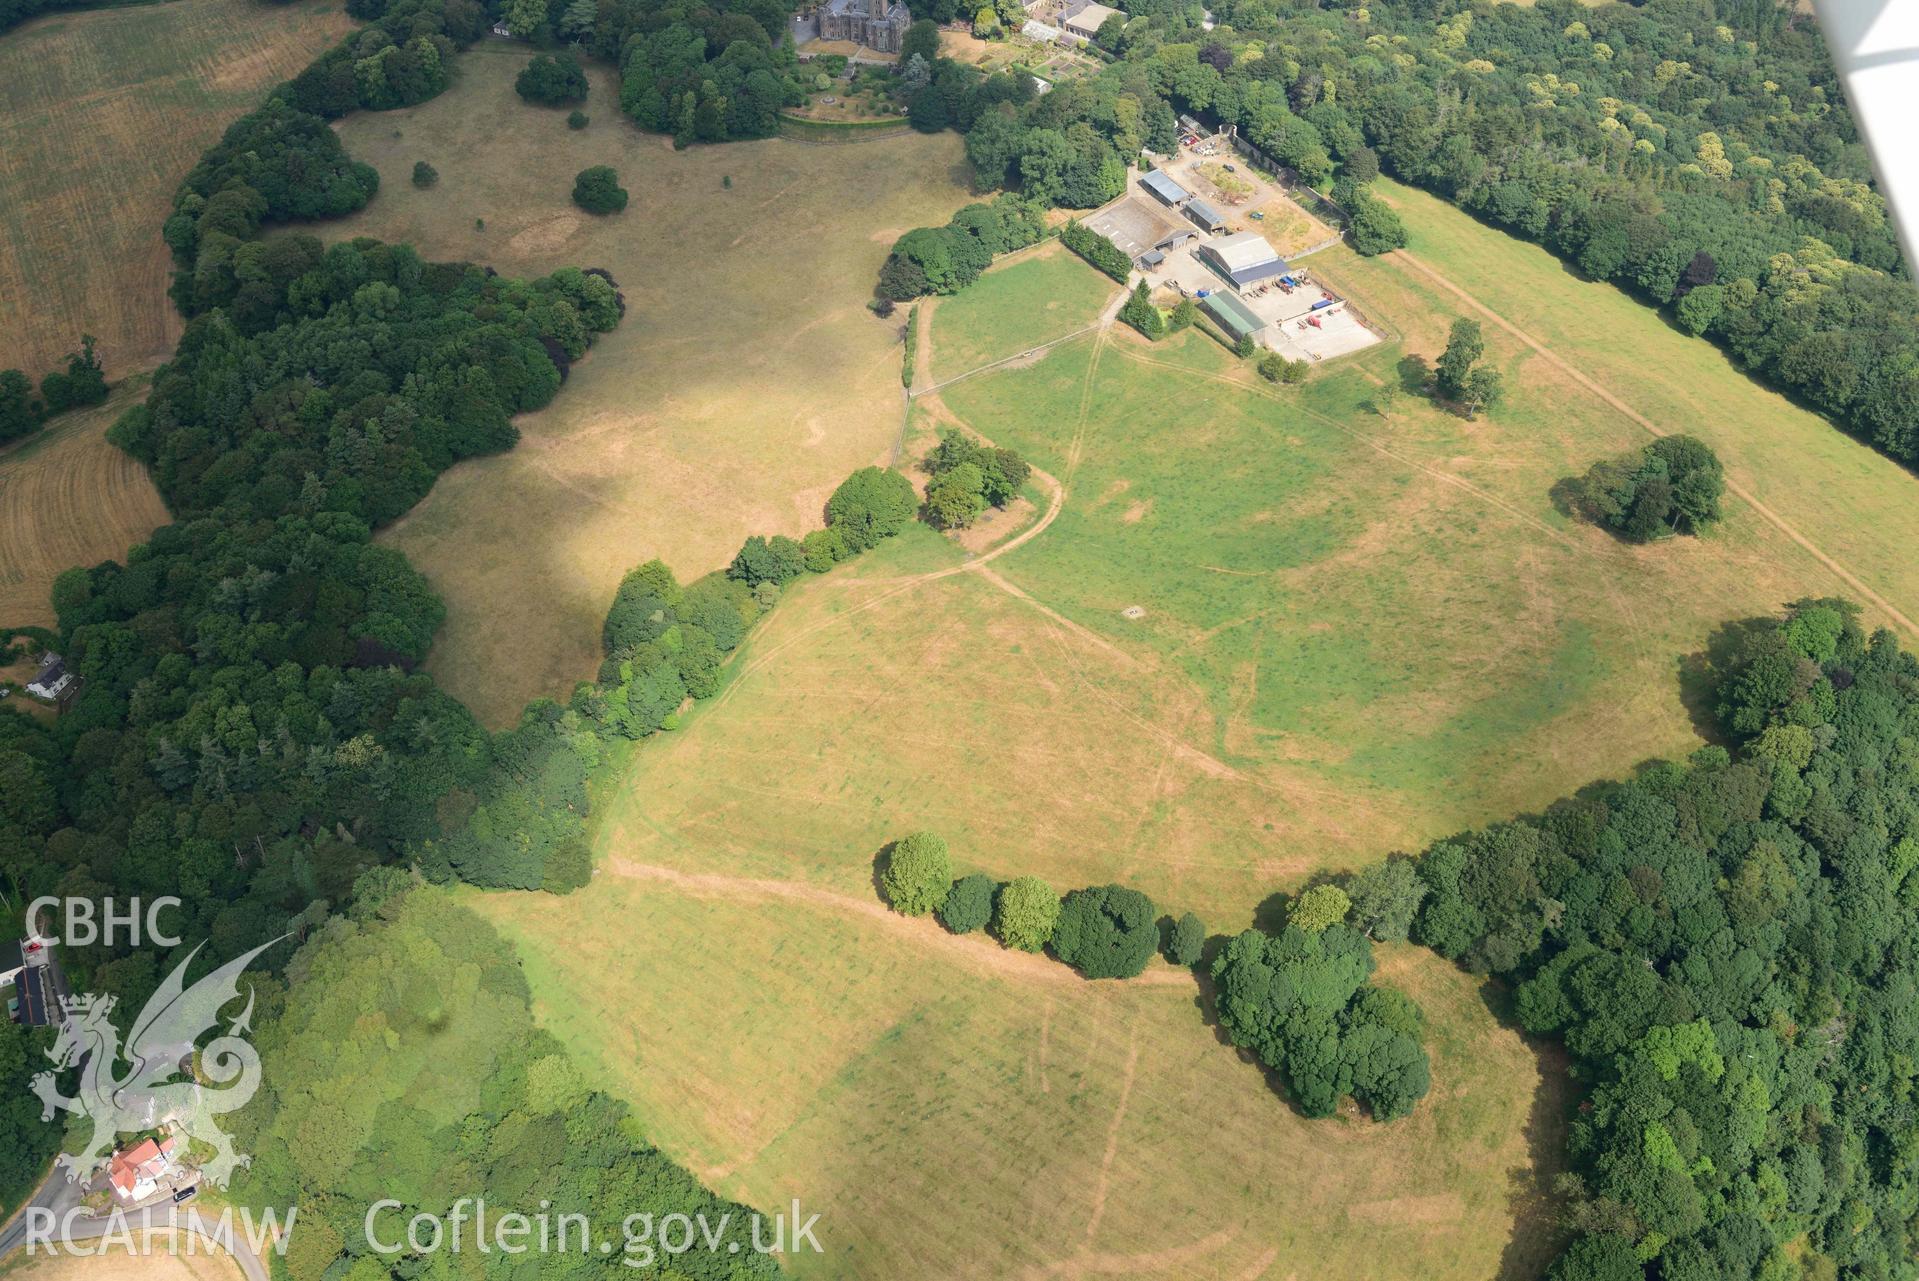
point(1243, 258)
point(1162, 185)
point(1205, 215)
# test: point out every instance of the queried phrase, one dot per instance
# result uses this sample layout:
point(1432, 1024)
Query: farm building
point(1234, 316)
point(1086, 21)
point(1205, 215)
point(1161, 184)
point(1244, 258)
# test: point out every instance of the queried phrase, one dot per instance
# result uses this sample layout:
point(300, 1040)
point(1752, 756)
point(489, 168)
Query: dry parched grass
point(154, 1257)
point(950, 1123)
point(101, 115)
point(747, 379)
point(67, 499)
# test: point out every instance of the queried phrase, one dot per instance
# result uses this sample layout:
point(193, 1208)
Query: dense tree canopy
point(1727, 949)
point(1300, 1000)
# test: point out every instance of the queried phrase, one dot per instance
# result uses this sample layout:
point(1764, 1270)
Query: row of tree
point(82, 382)
point(1104, 931)
point(524, 826)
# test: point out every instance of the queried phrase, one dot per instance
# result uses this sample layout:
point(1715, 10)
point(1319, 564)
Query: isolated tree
point(917, 875)
point(871, 504)
point(1106, 932)
point(1186, 940)
point(1025, 914)
point(597, 190)
point(1376, 227)
point(969, 903)
point(1463, 349)
point(551, 81)
point(82, 382)
point(424, 174)
point(577, 119)
point(1674, 485)
point(1317, 907)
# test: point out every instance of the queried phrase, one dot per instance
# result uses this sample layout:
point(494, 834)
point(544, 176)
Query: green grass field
point(1361, 630)
point(746, 381)
point(101, 115)
point(1850, 500)
point(1037, 297)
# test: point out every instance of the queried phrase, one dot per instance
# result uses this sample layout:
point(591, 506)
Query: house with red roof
point(135, 1172)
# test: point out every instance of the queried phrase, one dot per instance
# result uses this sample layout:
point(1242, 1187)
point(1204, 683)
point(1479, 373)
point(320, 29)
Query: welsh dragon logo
point(163, 1082)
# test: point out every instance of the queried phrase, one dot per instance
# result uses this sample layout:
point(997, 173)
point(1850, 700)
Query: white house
point(51, 680)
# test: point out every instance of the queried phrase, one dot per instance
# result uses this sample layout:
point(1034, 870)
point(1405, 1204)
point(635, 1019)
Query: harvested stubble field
point(101, 115)
point(747, 380)
point(67, 499)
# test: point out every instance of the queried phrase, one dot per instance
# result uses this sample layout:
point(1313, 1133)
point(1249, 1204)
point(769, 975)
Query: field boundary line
point(1738, 490)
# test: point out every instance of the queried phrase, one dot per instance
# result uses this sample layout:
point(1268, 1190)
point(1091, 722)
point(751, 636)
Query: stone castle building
point(878, 24)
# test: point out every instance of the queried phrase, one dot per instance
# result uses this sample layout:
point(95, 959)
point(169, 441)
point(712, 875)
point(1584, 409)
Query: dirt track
point(1733, 487)
point(978, 954)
